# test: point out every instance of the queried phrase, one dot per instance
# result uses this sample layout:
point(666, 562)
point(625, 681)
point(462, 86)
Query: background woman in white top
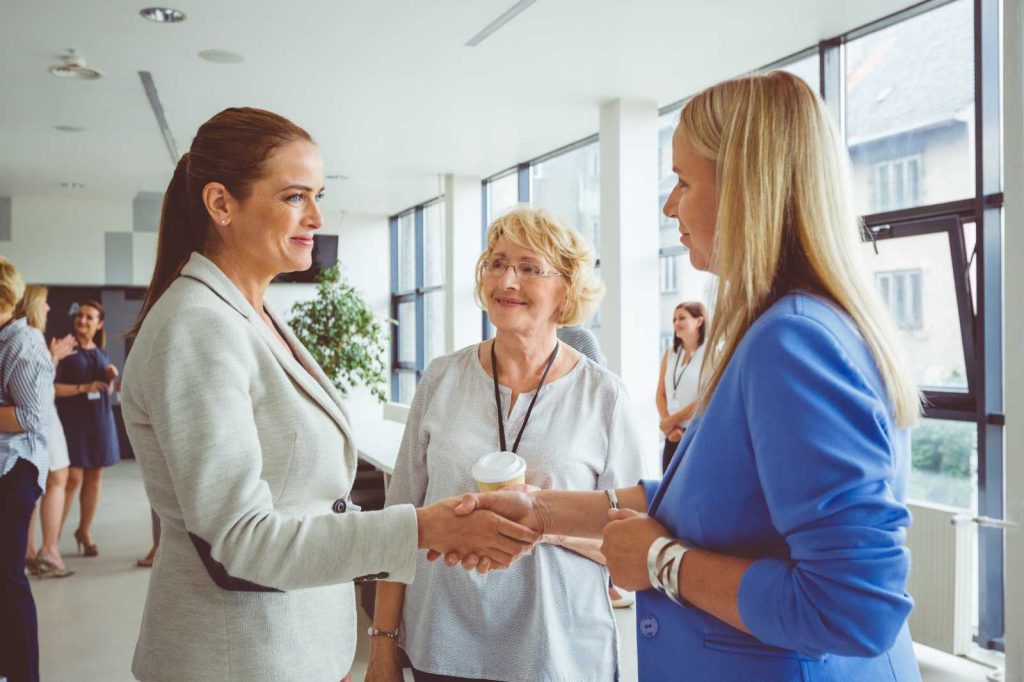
point(680, 375)
point(548, 617)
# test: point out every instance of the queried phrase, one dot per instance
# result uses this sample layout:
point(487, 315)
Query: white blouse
point(682, 380)
point(548, 616)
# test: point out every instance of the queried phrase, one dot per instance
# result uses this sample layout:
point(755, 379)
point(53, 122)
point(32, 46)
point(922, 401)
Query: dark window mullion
point(393, 227)
point(420, 278)
point(988, 143)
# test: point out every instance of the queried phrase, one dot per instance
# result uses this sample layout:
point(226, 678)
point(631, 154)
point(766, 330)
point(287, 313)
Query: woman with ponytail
point(84, 383)
point(245, 446)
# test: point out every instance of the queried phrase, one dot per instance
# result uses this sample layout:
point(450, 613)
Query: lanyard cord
point(497, 397)
point(676, 378)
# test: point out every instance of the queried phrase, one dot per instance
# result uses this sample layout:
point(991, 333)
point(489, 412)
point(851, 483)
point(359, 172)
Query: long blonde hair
point(785, 220)
point(31, 306)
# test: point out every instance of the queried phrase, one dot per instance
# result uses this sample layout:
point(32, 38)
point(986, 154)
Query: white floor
point(89, 622)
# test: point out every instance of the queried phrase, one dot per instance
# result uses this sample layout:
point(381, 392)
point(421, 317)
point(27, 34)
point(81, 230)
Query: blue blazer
point(796, 462)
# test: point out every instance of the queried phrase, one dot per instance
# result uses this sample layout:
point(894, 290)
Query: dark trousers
point(669, 452)
point(19, 645)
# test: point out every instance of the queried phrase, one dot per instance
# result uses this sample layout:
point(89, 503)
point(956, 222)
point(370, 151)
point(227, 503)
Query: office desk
point(377, 442)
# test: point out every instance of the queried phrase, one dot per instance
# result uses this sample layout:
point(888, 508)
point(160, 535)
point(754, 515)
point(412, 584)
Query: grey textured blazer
point(247, 458)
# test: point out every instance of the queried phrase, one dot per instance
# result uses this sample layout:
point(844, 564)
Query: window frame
point(414, 295)
point(981, 324)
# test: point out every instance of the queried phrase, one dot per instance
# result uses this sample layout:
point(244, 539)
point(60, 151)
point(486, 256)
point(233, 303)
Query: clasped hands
point(526, 519)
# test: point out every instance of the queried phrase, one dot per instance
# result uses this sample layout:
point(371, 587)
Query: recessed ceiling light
point(163, 15)
point(221, 57)
point(72, 185)
point(68, 129)
point(337, 177)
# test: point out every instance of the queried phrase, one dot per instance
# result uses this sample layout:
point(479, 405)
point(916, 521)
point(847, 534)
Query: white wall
point(61, 240)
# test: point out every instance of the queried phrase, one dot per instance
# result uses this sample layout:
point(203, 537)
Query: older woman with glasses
point(548, 616)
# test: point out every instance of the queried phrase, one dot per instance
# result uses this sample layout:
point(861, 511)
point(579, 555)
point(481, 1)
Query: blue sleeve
point(824, 458)
point(650, 490)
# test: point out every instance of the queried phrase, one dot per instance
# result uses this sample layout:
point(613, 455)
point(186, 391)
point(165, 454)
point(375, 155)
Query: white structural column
point(629, 255)
point(462, 220)
point(1013, 311)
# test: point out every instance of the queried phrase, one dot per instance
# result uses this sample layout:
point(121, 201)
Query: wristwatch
point(374, 632)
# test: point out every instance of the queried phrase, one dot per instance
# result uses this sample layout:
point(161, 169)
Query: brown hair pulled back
point(696, 309)
point(100, 338)
point(231, 148)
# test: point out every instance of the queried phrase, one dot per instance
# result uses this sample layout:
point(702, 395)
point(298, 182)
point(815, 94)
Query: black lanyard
point(497, 397)
point(676, 378)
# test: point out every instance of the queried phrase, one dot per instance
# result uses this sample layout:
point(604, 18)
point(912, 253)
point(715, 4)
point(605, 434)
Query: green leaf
point(342, 334)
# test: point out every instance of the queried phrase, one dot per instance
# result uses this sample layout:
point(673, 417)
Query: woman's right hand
point(385, 664)
point(492, 533)
point(675, 435)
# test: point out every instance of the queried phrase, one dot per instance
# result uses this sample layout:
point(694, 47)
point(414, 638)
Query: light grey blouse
point(548, 616)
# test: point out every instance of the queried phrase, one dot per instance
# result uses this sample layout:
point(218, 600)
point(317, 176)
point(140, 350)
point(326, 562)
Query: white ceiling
point(387, 88)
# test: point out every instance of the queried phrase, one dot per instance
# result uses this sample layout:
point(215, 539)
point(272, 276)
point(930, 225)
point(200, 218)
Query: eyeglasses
point(497, 267)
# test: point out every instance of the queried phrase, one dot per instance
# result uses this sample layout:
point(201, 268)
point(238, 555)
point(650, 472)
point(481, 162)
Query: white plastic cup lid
point(498, 467)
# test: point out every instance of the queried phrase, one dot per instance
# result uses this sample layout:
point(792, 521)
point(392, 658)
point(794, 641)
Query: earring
point(224, 222)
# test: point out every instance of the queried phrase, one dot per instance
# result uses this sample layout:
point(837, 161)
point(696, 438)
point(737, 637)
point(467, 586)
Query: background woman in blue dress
point(84, 383)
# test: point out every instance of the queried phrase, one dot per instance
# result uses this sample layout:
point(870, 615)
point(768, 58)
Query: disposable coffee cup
point(498, 469)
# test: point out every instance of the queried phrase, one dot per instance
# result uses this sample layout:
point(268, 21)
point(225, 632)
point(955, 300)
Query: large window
point(910, 110)
point(921, 123)
point(920, 149)
point(680, 281)
point(417, 295)
point(569, 185)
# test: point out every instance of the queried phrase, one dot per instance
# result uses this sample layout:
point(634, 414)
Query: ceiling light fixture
point(337, 177)
point(163, 15)
point(68, 129)
point(221, 57)
point(510, 14)
point(72, 66)
point(72, 185)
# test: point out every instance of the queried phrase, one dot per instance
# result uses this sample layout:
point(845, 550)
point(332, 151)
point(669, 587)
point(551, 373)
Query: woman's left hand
point(627, 538)
point(667, 424)
point(62, 348)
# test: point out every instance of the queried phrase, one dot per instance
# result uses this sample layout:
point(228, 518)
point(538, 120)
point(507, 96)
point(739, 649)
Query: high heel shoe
point(84, 548)
point(47, 569)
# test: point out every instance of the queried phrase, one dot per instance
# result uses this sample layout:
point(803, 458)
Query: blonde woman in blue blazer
point(245, 446)
point(775, 540)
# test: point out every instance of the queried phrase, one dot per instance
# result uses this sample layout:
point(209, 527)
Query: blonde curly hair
point(561, 246)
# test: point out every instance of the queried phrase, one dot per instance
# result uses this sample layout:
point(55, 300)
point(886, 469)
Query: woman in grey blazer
point(244, 445)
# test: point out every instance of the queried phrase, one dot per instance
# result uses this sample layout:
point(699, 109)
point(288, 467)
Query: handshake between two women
point(490, 530)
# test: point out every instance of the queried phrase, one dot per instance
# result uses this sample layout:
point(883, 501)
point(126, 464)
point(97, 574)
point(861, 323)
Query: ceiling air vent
point(73, 66)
